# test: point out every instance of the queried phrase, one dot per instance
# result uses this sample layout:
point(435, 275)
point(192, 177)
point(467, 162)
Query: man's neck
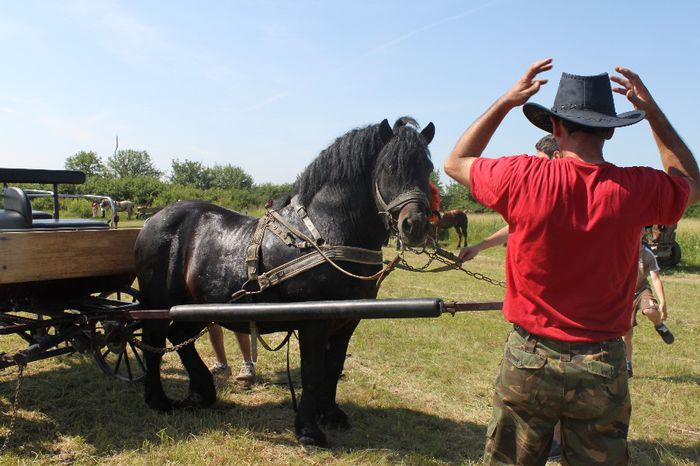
point(583, 147)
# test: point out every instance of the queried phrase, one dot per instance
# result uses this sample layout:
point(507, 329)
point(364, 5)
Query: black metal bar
point(55, 201)
point(311, 310)
point(8, 361)
point(27, 175)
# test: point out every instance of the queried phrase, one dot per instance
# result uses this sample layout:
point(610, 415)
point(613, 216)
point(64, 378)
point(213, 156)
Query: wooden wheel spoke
point(138, 358)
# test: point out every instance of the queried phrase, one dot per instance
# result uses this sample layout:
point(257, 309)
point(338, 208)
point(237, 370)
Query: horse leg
point(331, 415)
point(154, 333)
point(202, 390)
point(459, 236)
point(312, 344)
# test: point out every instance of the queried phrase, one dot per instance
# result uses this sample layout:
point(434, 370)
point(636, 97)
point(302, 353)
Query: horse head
point(401, 179)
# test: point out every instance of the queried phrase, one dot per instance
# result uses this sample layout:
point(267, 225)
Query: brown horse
point(452, 218)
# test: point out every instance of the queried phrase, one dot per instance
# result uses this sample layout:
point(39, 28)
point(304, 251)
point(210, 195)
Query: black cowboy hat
point(586, 100)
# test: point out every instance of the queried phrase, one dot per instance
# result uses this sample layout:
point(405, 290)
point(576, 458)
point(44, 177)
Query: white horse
point(125, 206)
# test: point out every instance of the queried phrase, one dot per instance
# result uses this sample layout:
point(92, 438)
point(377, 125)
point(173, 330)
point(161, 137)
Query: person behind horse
point(546, 147)
point(104, 205)
point(645, 302)
point(565, 359)
point(246, 374)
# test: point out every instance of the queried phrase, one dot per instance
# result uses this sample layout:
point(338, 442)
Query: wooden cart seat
point(18, 214)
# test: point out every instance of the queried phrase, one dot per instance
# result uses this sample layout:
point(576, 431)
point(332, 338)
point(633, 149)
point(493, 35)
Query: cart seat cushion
point(14, 199)
point(41, 214)
point(69, 223)
point(11, 220)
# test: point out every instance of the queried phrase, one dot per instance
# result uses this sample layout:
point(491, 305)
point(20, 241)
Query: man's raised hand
point(527, 85)
point(632, 87)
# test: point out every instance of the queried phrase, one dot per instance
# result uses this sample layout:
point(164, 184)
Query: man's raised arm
point(477, 136)
point(676, 157)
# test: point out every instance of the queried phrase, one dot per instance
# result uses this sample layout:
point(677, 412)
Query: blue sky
point(267, 85)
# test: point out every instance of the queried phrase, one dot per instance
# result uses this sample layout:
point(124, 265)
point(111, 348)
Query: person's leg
point(555, 450)
point(650, 308)
point(597, 408)
point(216, 337)
point(244, 344)
point(526, 404)
point(247, 371)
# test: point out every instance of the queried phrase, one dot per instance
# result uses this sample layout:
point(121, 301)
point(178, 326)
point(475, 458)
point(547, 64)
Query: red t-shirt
point(573, 240)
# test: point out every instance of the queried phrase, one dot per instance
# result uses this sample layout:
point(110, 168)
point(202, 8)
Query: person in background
point(246, 374)
point(645, 302)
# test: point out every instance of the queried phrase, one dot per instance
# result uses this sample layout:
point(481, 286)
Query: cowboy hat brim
point(539, 116)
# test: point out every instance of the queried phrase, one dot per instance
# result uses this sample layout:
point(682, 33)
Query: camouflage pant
point(543, 381)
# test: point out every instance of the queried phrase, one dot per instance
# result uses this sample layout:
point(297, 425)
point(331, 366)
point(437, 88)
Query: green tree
point(459, 197)
point(189, 173)
point(132, 163)
point(87, 162)
point(230, 177)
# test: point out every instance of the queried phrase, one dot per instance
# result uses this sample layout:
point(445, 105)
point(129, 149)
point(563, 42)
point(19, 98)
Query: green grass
point(418, 391)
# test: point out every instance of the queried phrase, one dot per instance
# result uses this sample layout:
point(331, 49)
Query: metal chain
point(157, 350)
point(15, 404)
point(450, 260)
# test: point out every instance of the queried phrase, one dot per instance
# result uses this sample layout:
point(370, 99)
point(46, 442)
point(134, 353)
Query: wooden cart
point(65, 284)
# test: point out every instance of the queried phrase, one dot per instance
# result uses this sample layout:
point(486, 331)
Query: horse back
point(192, 252)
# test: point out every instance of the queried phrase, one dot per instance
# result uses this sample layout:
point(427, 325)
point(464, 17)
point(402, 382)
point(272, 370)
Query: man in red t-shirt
point(564, 360)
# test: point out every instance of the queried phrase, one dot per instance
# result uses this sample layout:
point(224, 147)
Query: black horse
point(193, 252)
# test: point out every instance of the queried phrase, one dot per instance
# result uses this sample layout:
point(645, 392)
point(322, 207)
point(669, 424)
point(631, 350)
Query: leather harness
point(322, 251)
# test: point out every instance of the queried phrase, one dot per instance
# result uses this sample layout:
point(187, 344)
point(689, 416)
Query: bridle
point(389, 211)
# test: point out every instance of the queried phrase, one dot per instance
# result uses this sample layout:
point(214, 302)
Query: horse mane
point(406, 152)
point(351, 157)
point(348, 158)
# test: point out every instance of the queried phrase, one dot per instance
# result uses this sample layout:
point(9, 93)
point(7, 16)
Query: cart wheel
point(115, 354)
point(675, 254)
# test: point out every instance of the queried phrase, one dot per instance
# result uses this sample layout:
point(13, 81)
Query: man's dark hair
point(548, 145)
point(571, 128)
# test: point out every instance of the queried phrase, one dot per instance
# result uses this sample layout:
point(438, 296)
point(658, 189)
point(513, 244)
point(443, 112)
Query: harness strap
point(315, 258)
point(294, 231)
point(253, 252)
point(301, 212)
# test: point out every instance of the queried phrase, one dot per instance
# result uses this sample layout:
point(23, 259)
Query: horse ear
point(385, 131)
point(428, 132)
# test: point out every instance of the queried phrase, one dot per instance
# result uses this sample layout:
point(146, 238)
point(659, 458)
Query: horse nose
point(414, 226)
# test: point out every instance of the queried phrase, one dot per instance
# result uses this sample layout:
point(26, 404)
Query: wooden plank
point(30, 256)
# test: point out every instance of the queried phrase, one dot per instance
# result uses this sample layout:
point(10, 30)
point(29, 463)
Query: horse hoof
point(335, 418)
point(194, 401)
point(308, 441)
point(311, 437)
point(162, 405)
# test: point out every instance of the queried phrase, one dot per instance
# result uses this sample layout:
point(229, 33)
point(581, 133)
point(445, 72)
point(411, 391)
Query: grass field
point(417, 391)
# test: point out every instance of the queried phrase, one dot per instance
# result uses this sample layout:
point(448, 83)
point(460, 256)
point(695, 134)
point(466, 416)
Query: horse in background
point(125, 206)
point(449, 219)
point(369, 182)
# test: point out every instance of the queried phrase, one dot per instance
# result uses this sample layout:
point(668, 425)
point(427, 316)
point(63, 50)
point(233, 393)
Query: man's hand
point(527, 85)
point(634, 89)
point(468, 253)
